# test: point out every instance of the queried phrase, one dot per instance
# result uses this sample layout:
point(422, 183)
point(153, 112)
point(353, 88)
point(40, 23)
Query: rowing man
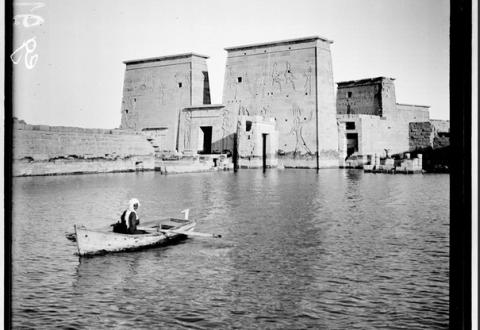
point(130, 216)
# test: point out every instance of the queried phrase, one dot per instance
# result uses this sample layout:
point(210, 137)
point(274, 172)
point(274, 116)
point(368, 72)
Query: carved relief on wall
point(265, 111)
point(300, 119)
point(253, 83)
point(187, 134)
point(261, 82)
point(139, 84)
point(289, 76)
point(276, 78)
point(243, 110)
point(161, 96)
point(364, 100)
point(232, 82)
point(228, 78)
point(265, 80)
point(228, 122)
point(308, 79)
point(148, 82)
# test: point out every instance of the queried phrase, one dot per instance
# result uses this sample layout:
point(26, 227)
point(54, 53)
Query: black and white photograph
point(232, 165)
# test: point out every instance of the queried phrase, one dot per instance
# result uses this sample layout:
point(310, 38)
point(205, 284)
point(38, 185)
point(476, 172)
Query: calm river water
point(340, 249)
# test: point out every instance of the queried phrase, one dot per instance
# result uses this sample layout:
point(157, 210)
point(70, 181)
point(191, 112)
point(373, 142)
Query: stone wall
point(82, 166)
point(376, 135)
point(431, 140)
point(41, 150)
point(421, 135)
point(290, 81)
point(441, 137)
point(441, 126)
point(432, 134)
point(440, 141)
point(326, 159)
point(412, 113)
point(367, 110)
point(375, 96)
point(156, 90)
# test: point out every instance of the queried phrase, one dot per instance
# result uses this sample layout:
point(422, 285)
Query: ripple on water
point(333, 250)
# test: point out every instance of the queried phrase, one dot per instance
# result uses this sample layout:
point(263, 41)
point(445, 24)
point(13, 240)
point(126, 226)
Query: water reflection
point(334, 249)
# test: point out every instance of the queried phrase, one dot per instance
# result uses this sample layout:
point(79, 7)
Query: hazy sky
point(77, 79)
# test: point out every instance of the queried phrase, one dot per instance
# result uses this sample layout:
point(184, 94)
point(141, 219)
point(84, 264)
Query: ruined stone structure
point(41, 150)
point(292, 82)
point(431, 134)
point(156, 90)
point(432, 140)
point(371, 122)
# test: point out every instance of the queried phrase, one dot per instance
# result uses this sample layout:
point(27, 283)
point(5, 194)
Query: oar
point(182, 232)
point(192, 233)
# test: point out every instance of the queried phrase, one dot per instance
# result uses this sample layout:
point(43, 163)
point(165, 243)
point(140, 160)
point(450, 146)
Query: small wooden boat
point(92, 242)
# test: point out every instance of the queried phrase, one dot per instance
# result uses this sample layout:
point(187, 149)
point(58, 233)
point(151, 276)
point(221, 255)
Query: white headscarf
point(131, 209)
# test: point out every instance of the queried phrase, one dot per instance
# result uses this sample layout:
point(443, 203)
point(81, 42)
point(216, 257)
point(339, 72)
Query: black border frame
point(460, 163)
point(7, 177)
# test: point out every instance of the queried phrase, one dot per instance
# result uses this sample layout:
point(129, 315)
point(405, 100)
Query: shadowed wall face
point(374, 96)
point(156, 90)
point(289, 81)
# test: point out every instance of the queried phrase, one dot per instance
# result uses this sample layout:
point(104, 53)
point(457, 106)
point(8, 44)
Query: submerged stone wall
point(46, 150)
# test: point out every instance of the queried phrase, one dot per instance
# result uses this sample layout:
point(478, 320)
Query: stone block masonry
point(421, 135)
point(82, 166)
point(432, 139)
point(156, 90)
point(292, 82)
point(47, 150)
point(374, 96)
point(372, 122)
